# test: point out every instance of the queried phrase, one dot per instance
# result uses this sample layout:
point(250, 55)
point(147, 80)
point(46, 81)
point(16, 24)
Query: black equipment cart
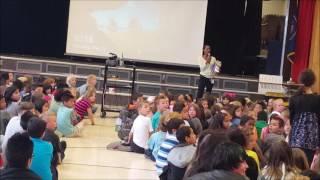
point(107, 84)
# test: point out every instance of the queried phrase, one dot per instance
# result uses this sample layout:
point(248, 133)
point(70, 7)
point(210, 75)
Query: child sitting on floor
point(141, 129)
point(194, 118)
point(171, 141)
point(162, 103)
point(158, 137)
point(58, 146)
point(127, 116)
point(64, 117)
point(91, 82)
point(47, 93)
point(4, 117)
point(275, 127)
point(12, 97)
point(41, 106)
point(181, 155)
point(71, 81)
point(84, 105)
point(42, 151)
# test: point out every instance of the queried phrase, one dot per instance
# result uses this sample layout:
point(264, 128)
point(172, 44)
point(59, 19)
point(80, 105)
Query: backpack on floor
point(127, 118)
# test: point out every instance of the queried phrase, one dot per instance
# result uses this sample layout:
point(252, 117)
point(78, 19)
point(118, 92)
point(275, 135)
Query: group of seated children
point(214, 138)
point(43, 112)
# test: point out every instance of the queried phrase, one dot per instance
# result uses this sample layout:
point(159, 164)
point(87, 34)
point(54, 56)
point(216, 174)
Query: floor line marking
point(117, 167)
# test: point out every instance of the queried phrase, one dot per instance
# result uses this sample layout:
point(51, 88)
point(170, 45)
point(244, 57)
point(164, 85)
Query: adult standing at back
point(305, 117)
point(208, 67)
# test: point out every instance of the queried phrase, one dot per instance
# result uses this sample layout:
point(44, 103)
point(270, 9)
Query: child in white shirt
point(141, 129)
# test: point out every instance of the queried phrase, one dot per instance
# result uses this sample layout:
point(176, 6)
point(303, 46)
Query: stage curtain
point(303, 39)
point(314, 62)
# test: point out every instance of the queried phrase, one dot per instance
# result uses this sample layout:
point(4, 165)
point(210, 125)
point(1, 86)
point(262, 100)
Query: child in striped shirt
point(166, 146)
point(84, 105)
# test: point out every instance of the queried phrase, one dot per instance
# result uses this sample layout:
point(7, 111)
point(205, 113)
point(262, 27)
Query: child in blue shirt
point(158, 137)
point(64, 117)
point(169, 143)
point(162, 103)
point(42, 150)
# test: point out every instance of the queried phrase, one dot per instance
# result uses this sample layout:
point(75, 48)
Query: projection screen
point(161, 31)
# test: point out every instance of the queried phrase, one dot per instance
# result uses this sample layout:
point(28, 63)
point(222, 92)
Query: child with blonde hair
point(91, 82)
point(162, 104)
point(71, 81)
point(141, 129)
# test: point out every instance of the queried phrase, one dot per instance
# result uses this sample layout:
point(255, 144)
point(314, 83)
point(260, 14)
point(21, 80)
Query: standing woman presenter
point(209, 66)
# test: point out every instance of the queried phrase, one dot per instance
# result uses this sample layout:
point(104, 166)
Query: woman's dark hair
point(8, 93)
point(38, 104)
point(25, 118)
point(19, 151)
point(207, 142)
point(204, 46)
point(280, 153)
point(307, 78)
point(174, 124)
point(237, 136)
point(178, 107)
point(217, 121)
point(228, 156)
point(182, 133)
point(244, 119)
point(1, 96)
point(36, 127)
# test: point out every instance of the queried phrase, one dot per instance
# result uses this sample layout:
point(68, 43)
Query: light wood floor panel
point(88, 158)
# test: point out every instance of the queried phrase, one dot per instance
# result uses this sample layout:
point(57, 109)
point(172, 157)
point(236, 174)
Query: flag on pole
point(291, 31)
